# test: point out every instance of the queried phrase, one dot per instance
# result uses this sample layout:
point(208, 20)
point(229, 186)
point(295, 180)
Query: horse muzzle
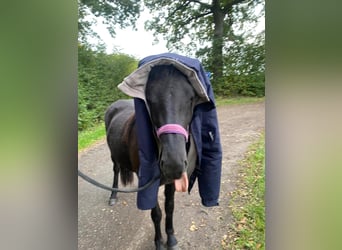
point(173, 160)
point(180, 179)
point(172, 168)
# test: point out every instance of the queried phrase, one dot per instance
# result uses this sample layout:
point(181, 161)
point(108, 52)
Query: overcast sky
point(138, 43)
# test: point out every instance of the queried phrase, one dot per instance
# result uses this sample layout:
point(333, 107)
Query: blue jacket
point(205, 131)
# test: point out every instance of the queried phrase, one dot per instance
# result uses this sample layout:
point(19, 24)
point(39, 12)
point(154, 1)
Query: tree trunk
point(217, 56)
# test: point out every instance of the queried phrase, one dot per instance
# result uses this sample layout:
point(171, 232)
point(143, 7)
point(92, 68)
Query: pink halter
point(172, 129)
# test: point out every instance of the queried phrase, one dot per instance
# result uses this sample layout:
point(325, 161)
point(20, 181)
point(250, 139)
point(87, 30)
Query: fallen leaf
point(193, 227)
point(243, 220)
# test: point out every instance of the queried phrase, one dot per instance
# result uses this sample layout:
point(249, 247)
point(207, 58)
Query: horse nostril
point(186, 163)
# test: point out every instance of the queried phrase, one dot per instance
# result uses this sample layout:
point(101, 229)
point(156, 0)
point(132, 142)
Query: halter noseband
point(172, 129)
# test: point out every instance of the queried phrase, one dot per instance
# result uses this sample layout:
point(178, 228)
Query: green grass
point(248, 203)
point(88, 137)
point(237, 100)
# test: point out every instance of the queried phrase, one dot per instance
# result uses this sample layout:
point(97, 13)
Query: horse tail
point(127, 175)
point(128, 129)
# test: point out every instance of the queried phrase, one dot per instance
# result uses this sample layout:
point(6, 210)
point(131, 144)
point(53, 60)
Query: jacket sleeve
point(209, 178)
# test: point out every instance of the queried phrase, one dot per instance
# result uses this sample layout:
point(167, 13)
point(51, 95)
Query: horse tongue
point(181, 184)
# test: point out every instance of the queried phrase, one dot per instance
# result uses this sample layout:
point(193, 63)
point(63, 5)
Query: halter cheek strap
point(172, 129)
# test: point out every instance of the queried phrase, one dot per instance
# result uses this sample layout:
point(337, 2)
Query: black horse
point(171, 99)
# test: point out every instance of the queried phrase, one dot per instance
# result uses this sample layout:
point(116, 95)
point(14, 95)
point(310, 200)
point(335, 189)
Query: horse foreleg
point(113, 196)
point(169, 207)
point(156, 216)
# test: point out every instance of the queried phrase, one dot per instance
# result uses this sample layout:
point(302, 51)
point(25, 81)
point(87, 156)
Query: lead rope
point(100, 185)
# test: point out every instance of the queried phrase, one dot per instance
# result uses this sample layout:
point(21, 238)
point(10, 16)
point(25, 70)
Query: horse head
point(171, 99)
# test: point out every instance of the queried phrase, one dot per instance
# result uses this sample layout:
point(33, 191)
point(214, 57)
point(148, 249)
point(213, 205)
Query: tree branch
point(193, 17)
point(180, 7)
point(230, 4)
point(198, 16)
point(201, 3)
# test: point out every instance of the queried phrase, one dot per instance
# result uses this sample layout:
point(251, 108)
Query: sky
point(138, 43)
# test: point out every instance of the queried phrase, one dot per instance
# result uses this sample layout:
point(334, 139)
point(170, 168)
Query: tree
point(192, 23)
point(119, 13)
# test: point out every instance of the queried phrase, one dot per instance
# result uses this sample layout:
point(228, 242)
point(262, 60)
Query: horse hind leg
point(156, 216)
point(169, 192)
point(113, 196)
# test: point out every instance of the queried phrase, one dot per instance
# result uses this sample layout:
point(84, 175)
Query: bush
point(244, 70)
point(98, 77)
point(253, 86)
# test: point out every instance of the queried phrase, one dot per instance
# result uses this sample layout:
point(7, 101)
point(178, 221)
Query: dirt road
point(196, 227)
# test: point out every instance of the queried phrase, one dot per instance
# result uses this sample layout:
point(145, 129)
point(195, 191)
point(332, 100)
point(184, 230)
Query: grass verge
point(237, 100)
point(248, 202)
point(90, 136)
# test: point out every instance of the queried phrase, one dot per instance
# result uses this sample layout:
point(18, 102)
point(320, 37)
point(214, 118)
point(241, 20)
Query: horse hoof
point(159, 245)
point(112, 201)
point(175, 247)
point(172, 243)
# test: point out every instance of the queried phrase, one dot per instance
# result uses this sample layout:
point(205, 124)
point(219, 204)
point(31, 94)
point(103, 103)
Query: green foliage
point(242, 85)
point(221, 33)
point(178, 20)
point(98, 75)
point(119, 13)
point(244, 72)
point(190, 26)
